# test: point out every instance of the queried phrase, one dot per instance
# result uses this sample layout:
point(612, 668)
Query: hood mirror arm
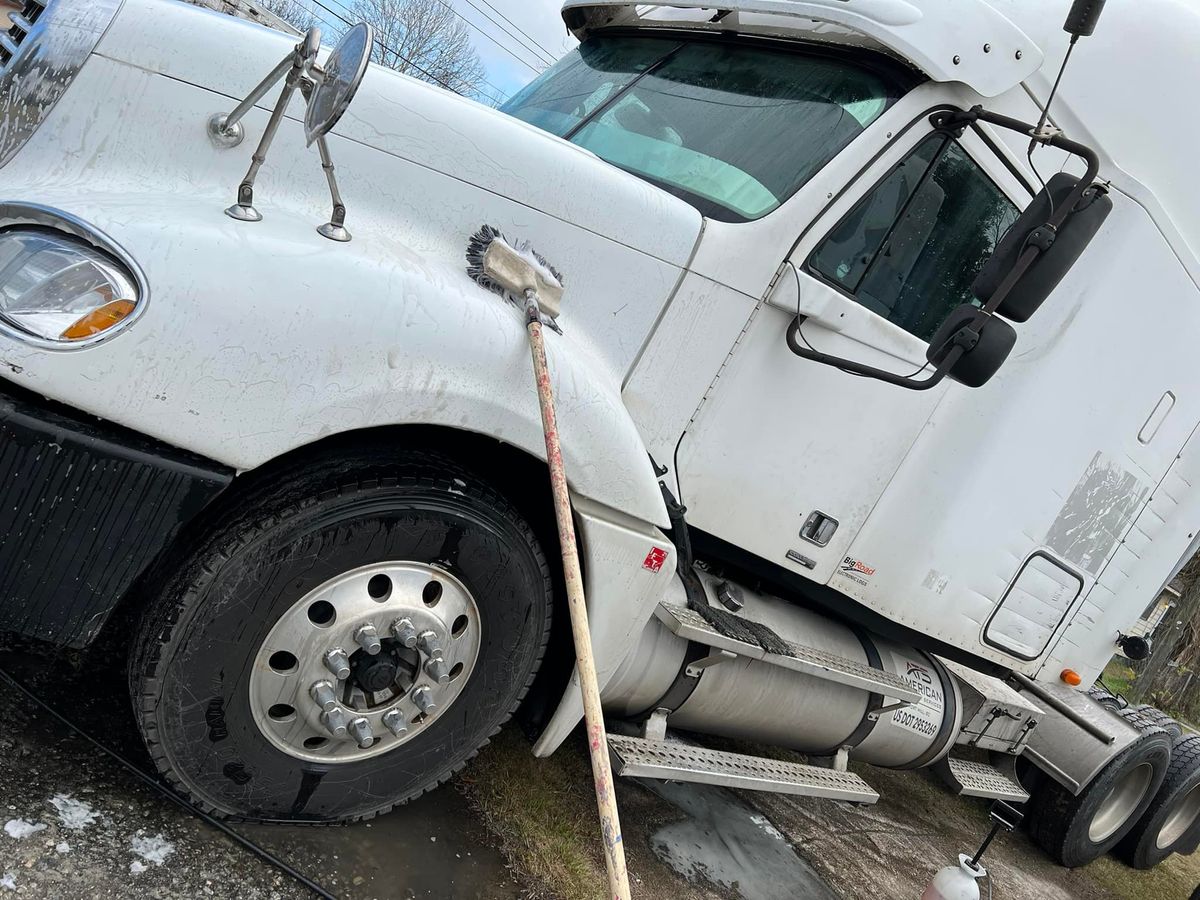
point(335, 228)
point(225, 130)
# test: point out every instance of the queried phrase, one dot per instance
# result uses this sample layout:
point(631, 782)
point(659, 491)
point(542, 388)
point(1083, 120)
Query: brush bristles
point(477, 247)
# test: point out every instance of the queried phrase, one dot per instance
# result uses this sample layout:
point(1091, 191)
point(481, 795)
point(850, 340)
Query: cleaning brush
point(511, 271)
point(523, 276)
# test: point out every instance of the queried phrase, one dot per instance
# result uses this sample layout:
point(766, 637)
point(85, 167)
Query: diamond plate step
point(691, 626)
point(977, 779)
point(670, 761)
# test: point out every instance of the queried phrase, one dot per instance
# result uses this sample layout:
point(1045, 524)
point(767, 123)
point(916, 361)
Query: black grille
point(85, 506)
point(22, 25)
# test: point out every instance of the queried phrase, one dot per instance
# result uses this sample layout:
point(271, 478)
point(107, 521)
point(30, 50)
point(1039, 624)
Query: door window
point(911, 248)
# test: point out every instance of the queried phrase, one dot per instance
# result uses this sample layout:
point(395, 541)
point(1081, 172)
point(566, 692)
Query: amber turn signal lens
point(1071, 677)
point(100, 319)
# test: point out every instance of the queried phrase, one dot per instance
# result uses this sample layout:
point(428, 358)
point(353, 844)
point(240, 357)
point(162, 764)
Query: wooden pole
point(606, 801)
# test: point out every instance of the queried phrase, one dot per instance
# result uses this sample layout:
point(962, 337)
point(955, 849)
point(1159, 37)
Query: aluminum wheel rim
point(419, 613)
point(1180, 820)
point(1120, 803)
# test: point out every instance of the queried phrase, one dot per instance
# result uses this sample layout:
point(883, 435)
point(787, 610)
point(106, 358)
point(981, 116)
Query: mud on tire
point(198, 637)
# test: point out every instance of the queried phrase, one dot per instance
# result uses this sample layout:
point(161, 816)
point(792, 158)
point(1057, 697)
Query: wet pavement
point(727, 843)
point(73, 823)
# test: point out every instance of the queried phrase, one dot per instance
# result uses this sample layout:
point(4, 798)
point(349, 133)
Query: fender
point(243, 357)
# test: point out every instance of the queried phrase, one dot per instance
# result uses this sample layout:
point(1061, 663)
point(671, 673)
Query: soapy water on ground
point(724, 842)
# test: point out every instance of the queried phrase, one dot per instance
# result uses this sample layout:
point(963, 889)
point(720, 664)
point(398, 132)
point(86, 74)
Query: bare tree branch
point(424, 39)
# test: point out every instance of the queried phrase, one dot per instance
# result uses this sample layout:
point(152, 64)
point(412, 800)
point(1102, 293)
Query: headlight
point(61, 289)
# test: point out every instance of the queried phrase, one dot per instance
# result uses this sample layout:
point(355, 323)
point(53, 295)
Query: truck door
point(785, 458)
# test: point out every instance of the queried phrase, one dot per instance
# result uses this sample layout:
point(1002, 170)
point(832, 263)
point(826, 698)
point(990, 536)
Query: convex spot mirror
point(981, 361)
point(338, 80)
point(1062, 248)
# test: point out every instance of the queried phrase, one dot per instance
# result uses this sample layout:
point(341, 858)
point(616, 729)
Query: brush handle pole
point(606, 800)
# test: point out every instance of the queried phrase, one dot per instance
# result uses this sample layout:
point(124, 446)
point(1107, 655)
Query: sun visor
point(968, 41)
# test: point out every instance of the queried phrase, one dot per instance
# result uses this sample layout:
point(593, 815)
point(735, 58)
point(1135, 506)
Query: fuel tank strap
point(874, 700)
point(683, 685)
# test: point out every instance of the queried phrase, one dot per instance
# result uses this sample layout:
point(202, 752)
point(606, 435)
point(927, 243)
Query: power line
point(519, 59)
point(524, 45)
point(494, 99)
point(549, 53)
point(414, 63)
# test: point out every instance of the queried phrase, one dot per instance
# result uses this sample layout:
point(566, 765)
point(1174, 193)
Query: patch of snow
point(19, 828)
point(62, 847)
point(137, 867)
point(152, 849)
point(9, 881)
point(74, 814)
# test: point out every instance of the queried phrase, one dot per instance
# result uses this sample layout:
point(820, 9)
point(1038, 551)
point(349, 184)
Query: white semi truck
point(827, 496)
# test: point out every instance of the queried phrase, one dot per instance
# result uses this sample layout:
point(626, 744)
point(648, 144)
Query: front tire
point(222, 664)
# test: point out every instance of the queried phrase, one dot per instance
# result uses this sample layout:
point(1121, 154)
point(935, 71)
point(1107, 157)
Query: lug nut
point(437, 670)
point(430, 645)
point(337, 662)
point(393, 721)
point(368, 638)
point(360, 730)
point(335, 722)
point(405, 633)
point(423, 697)
point(322, 693)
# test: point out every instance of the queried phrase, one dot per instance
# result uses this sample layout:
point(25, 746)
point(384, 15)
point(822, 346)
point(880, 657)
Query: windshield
point(734, 129)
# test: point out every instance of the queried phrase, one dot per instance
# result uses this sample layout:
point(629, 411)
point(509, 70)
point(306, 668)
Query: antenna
point(1081, 22)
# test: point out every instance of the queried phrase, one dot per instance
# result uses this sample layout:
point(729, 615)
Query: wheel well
point(522, 478)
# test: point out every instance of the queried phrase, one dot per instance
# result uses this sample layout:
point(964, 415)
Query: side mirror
point(1060, 248)
point(1134, 647)
point(986, 341)
point(338, 80)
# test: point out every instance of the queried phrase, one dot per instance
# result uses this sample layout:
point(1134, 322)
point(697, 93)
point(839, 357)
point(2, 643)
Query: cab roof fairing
point(945, 39)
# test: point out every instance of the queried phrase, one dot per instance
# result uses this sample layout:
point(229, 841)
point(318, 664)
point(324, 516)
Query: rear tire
point(1171, 824)
point(200, 645)
point(1077, 830)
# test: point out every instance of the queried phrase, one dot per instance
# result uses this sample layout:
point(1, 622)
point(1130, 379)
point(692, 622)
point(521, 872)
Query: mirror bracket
point(292, 68)
point(967, 337)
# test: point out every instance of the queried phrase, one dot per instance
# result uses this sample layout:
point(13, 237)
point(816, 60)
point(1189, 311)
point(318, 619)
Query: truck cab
point(312, 468)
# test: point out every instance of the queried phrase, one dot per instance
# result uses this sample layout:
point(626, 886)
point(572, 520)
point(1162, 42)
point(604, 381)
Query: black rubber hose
point(261, 852)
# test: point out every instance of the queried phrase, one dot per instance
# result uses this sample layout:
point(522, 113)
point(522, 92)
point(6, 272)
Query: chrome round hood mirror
point(337, 80)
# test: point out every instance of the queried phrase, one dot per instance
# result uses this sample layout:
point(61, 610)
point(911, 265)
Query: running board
point(968, 778)
point(636, 757)
point(690, 625)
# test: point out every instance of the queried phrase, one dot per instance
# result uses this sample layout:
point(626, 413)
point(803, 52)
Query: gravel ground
point(75, 824)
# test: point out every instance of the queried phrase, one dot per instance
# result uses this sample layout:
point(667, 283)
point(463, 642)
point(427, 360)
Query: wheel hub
point(365, 662)
point(1121, 802)
point(373, 674)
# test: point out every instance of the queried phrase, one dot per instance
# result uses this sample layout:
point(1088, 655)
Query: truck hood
point(417, 122)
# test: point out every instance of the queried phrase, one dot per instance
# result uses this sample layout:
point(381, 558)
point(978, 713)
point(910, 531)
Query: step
point(689, 624)
point(672, 761)
point(978, 779)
